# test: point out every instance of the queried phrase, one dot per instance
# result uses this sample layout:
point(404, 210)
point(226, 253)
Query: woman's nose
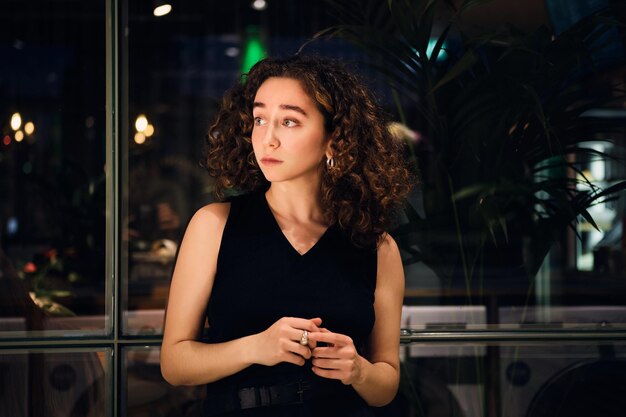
point(269, 138)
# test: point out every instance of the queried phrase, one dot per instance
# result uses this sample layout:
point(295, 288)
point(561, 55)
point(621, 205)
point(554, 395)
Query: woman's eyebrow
point(294, 108)
point(282, 106)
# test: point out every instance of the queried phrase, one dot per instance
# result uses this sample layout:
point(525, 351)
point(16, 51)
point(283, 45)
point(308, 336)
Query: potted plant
point(506, 117)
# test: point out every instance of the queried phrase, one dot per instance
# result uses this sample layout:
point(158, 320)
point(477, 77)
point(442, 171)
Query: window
point(103, 111)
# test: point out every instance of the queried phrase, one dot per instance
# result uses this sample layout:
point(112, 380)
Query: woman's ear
point(329, 142)
point(329, 151)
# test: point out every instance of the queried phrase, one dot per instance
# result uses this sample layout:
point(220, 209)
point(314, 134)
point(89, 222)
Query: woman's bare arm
point(380, 368)
point(186, 361)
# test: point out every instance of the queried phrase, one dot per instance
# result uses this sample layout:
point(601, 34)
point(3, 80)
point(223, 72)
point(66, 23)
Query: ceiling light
point(29, 128)
point(232, 52)
point(140, 138)
point(162, 9)
point(259, 4)
point(149, 131)
point(16, 121)
point(141, 123)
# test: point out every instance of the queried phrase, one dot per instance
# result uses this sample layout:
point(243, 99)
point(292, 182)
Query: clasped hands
point(337, 358)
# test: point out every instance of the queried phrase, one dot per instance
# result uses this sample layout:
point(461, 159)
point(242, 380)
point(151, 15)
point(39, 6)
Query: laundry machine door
point(584, 389)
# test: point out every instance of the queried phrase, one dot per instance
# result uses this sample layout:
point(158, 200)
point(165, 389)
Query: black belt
point(218, 403)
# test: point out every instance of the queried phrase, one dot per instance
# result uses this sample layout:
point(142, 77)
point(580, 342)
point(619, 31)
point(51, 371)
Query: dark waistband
point(225, 401)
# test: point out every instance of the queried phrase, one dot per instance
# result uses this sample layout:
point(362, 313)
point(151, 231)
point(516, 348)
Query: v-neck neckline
point(284, 237)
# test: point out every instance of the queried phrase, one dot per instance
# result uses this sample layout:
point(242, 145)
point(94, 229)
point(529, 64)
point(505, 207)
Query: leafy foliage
point(507, 118)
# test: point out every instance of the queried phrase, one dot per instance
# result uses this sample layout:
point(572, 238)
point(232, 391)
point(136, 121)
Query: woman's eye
point(258, 121)
point(290, 123)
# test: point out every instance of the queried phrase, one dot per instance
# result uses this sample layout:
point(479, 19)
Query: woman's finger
point(294, 358)
point(326, 352)
point(338, 364)
point(297, 334)
point(303, 351)
point(304, 324)
point(330, 337)
point(328, 373)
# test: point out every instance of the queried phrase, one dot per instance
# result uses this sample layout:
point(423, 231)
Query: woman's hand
point(281, 341)
point(338, 360)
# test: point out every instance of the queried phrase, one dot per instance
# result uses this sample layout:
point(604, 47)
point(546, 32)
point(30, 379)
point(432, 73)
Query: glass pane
point(512, 380)
point(147, 394)
point(55, 384)
point(499, 232)
point(179, 67)
point(512, 317)
point(52, 166)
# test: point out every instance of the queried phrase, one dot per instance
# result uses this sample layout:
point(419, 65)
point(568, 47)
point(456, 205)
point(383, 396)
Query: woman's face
point(288, 136)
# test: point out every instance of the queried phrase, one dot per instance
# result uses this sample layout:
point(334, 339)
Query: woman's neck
point(296, 203)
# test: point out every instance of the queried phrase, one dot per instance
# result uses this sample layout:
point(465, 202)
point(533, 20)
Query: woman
point(301, 286)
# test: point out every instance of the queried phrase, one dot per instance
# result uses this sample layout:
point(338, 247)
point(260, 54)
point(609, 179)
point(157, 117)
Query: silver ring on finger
point(304, 340)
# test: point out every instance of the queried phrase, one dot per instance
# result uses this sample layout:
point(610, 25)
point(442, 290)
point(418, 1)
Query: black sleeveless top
point(260, 278)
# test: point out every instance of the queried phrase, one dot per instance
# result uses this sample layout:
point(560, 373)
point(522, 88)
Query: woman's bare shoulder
point(197, 256)
point(388, 248)
point(212, 216)
point(390, 262)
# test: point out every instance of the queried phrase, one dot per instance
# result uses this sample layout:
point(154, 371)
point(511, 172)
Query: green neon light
point(253, 51)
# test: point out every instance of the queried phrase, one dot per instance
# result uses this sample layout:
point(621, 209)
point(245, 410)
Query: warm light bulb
point(259, 4)
point(16, 121)
point(162, 10)
point(141, 123)
point(29, 128)
point(140, 138)
point(19, 136)
point(149, 131)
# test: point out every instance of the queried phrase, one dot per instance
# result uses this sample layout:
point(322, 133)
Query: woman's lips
point(271, 161)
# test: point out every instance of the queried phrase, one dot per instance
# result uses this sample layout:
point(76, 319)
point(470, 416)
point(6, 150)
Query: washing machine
point(443, 379)
point(59, 384)
point(569, 379)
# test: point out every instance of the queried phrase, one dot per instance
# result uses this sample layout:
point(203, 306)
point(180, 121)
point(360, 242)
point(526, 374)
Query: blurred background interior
point(513, 114)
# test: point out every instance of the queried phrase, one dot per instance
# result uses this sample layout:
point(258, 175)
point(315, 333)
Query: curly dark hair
point(370, 177)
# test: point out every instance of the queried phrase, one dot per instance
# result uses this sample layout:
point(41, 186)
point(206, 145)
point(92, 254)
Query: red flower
point(30, 268)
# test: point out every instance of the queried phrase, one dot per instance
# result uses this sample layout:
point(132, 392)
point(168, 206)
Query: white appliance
point(59, 384)
point(451, 393)
point(536, 376)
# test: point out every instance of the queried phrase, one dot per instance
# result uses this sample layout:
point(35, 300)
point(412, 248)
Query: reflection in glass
point(60, 384)
point(22, 314)
point(52, 164)
point(513, 380)
point(441, 380)
point(502, 218)
point(513, 317)
point(567, 379)
point(146, 394)
point(177, 75)
point(602, 317)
